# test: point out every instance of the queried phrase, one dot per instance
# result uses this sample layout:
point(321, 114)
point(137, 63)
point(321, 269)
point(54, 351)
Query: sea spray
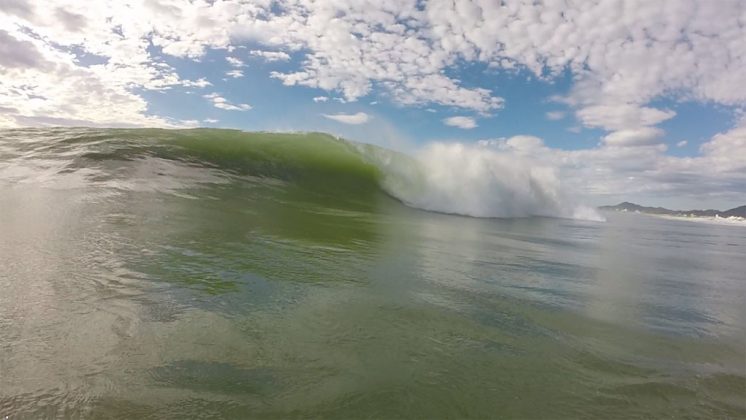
point(477, 181)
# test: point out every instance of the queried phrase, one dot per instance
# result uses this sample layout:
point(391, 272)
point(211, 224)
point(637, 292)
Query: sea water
point(151, 274)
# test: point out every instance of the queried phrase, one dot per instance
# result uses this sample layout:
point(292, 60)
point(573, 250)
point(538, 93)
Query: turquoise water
point(172, 274)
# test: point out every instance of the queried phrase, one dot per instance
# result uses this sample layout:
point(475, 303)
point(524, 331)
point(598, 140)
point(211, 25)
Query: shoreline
point(728, 221)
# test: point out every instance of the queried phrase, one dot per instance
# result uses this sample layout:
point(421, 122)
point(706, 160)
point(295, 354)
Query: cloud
point(73, 22)
point(466, 123)
point(222, 103)
point(235, 62)
point(320, 99)
point(17, 7)
point(727, 150)
point(638, 54)
point(525, 143)
point(610, 173)
point(199, 83)
point(351, 47)
point(555, 115)
point(235, 73)
point(634, 137)
point(621, 57)
point(622, 116)
point(355, 119)
point(18, 53)
point(70, 64)
point(682, 143)
point(270, 55)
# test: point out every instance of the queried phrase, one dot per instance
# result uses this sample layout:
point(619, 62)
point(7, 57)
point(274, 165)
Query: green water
point(166, 274)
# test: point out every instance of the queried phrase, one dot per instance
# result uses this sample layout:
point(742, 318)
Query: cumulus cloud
point(222, 103)
point(622, 116)
point(271, 55)
point(466, 123)
point(354, 119)
point(634, 137)
point(235, 73)
point(622, 55)
point(45, 81)
point(199, 83)
point(611, 173)
point(235, 62)
point(320, 99)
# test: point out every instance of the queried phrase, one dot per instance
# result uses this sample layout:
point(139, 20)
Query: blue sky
point(625, 99)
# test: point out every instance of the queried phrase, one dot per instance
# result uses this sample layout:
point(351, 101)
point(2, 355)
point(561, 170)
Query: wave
point(449, 178)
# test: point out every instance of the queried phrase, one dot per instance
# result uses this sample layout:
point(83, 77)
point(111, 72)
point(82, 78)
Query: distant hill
point(632, 207)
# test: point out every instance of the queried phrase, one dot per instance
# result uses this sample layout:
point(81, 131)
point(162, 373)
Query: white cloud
point(525, 143)
point(555, 115)
point(634, 137)
point(466, 123)
point(45, 82)
point(682, 143)
point(727, 150)
point(609, 173)
point(622, 55)
point(271, 55)
point(622, 116)
point(235, 73)
point(235, 62)
point(199, 83)
point(355, 119)
point(210, 121)
point(222, 103)
point(320, 99)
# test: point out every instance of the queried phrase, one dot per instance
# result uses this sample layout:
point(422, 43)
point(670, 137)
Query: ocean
point(214, 273)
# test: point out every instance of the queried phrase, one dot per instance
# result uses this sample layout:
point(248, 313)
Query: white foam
point(478, 181)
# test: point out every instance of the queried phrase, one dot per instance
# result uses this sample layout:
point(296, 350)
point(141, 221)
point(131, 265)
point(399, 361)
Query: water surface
point(146, 275)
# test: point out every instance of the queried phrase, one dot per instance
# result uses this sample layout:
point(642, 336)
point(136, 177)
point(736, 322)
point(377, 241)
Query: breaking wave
point(442, 177)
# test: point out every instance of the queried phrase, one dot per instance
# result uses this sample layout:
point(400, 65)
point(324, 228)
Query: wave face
point(447, 178)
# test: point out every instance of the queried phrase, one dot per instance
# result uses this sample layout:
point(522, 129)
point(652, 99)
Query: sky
point(627, 100)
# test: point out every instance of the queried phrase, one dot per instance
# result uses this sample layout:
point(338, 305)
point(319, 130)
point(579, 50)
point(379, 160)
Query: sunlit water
point(153, 287)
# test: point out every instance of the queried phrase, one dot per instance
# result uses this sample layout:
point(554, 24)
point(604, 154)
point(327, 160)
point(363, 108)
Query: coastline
point(730, 221)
